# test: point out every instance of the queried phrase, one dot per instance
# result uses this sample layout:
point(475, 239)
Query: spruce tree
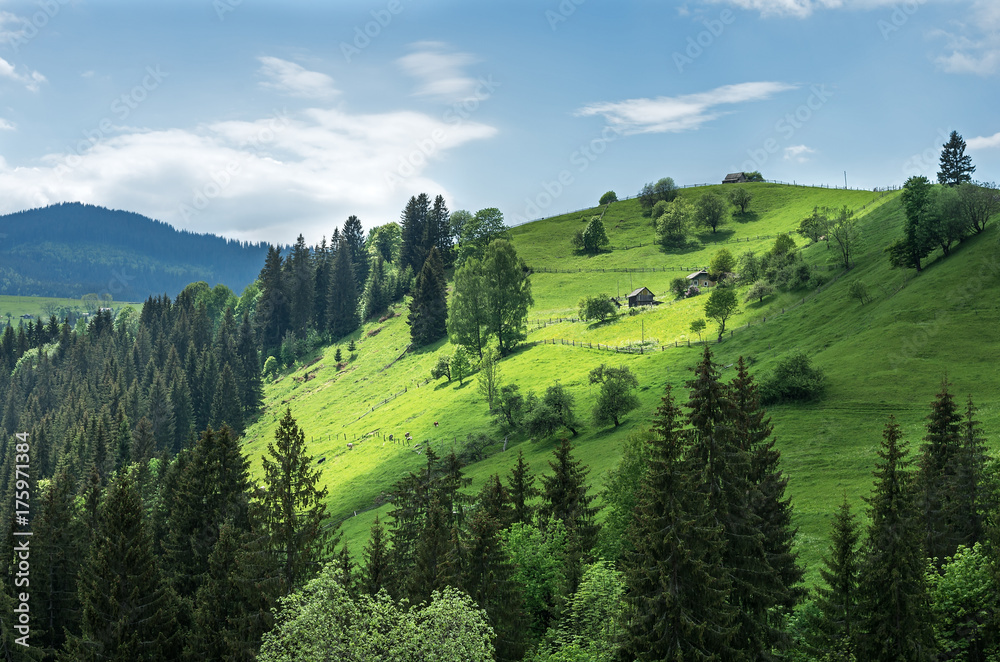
point(251, 385)
point(522, 490)
point(300, 279)
point(413, 223)
point(836, 627)
point(226, 406)
point(272, 316)
point(126, 613)
point(937, 495)
point(429, 306)
point(161, 413)
point(143, 442)
point(677, 587)
point(376, 570)
point(956, 165)
point(354, 238)
point(439, 233)
point(895, 623)
point(322, 265)
point(342, 304)
point(293, 509)
point(973, 500)
point(566, 498)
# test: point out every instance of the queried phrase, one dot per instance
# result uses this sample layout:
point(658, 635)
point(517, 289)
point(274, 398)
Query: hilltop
point(72, 249)
point(886, 357)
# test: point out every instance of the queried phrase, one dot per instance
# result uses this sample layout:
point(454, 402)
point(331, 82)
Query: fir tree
point(126, 613)
point(413, 223)
point(251, 385)
point(342, 304)
point(936, 481)
point(354, 238)
point(429, 306)
point(676, 584)
point(376, 570)
point(836, 629)
point(272, 317)
point(300, 281)
point(956, 165)
point(143, 441)
point(226, 407)
point(973, 500)
point(161, 414)
point(322, 264)
point(294, 508)
point(894, 610)
point(438, 234)
point(566, 498)
point(522, 490)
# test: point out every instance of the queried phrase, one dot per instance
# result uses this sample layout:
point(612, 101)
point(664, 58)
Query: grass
point(886, 357)
point(40, 307)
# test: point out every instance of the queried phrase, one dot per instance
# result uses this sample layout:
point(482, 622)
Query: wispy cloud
point(295, 80)
point(681, 113)
point(803, 8)
point(798, 153)
point(973, 45)
point(31, 80)
point(5, 125)
point(984, 142)
point(439, 72)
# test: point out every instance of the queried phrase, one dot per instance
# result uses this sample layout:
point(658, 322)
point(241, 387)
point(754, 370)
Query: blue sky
point(260, 120)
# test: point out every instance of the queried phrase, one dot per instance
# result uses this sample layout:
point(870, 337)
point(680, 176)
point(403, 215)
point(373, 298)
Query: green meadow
point(887, 357)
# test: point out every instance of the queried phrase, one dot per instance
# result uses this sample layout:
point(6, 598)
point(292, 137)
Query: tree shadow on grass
point(689, 246)
point(746, 217)
point(722, 235)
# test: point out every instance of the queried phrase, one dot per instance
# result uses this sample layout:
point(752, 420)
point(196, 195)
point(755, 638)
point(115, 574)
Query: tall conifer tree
point(429, 306)
point(342, 304)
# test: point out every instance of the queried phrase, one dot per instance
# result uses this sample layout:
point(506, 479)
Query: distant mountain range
point(72, 249)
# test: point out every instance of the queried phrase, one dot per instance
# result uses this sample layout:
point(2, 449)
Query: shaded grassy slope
point(886, 357)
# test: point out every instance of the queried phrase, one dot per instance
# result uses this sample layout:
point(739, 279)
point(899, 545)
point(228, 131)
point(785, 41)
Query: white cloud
point(984, 142)
point(6, 125)
point(682, 113)
point(798, 153)
point(805, 8)
point(31, 81)
point(973, 46)
point(267, 179)
point(439, 73)
point(294, 80)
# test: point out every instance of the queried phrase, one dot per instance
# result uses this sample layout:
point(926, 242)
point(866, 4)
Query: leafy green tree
point(712, 211)
point(468, 315)
point(858, 290)
point(665, 189)
point(510, 408)
point(674, 223)
point(754, 176)
point(758, 291)
point(620, 498)
point(978, 202)
point(508, 294)
point(539, 557)
point(741, 197)
point(460, 364)
point(964, 601)
point(679, 287)
point(594, 237)
point(385, 242)
point(956, 166)
point(677, 585)
point(845, 233)
point(591, 628)
point(895, 622)
point(794, 379)
point(477, 233)
point(616, 397)
point(917, 241)
point(323, 622)
point(598, 308)
point(814, 226)
point(429, 306)
point(442, 368)
point(722, 263)
point(271, 367)
point(783, 245)
point(489, 377)
point(342, 300)
point(697, 326)
point(294, 507)
point(553, 411)
point(458, 220)
point(721, 305)
point(608, 198)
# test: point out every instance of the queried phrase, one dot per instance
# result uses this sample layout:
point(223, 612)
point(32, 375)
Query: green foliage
point(697, 326)
point(664, 189)
point(722, 263)
point(538, 557)
point(323, 622)
point(679, 286)
point(478, 232)
point(429, 305)
point(721, 305)
point(673, 224)
point(783, 245)
point(956, 166)
point(814, 226)
point(794, 379)
point(461, 365)
point(835, 619)
point(467, 316)
point(917, 241)
point(846, 233)
point(608, 198)
point(489, 377)
point(741, 197)
point(658, 209)
point(754, 176)
point(964, 601)
point(598, 308)
point(758, 291)
point(616, 397)
point(712, 211)
point(620, 497)
point(384, 241)
point(595, 237)
point(978, 202)
point(510, 408)
point(442, 368)
point(553, 411)
point(508, 294)
point(858, 290)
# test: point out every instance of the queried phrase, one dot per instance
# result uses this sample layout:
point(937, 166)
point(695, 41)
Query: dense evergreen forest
point(72, 249)
point(150, 541)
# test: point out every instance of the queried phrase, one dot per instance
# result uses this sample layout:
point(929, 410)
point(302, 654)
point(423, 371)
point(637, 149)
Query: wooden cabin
point(640, 297)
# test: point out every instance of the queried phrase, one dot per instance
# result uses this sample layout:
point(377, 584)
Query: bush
point(679, 287)
point(754, 176)
point(608, 198)
point(594, 236)
point(658, 209)
point(793, 380)
point(442, 368)
point(271, 367)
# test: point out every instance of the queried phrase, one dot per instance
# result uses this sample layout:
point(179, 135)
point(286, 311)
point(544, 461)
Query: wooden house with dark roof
point(640, 297)
point(735, 178)
point(701, 279)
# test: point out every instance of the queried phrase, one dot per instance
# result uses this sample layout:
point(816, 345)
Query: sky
point(263, 120)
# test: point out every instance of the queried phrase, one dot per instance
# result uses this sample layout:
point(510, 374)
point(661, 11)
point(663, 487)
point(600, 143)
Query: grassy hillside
point(887, 357)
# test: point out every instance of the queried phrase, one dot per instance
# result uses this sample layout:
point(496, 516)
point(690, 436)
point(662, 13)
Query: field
point(886, 357)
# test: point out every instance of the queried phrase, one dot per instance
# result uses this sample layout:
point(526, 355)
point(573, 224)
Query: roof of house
point(697, 273)
point(639, 291)
point(734, 177)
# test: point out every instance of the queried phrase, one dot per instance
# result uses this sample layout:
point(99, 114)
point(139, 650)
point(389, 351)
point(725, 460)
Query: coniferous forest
point(150, 540)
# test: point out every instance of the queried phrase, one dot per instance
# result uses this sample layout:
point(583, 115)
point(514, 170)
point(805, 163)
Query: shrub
point(596, 308)
point(608, 198)
point(658, 209)
point(793, 380)
point(271, 367)
point(679, 287)
point(442, 368)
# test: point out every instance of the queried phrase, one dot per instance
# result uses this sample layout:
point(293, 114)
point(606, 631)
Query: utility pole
point(845, 179)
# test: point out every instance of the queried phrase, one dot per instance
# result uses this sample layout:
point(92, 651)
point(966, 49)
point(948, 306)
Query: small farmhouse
point(701, 279)
point(735, 178)
point(640, 297)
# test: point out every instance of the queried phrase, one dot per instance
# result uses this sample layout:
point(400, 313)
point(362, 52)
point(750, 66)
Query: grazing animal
point(350, 446)
point(321, 460)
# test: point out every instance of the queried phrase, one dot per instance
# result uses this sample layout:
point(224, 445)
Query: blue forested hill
point(72, 249)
